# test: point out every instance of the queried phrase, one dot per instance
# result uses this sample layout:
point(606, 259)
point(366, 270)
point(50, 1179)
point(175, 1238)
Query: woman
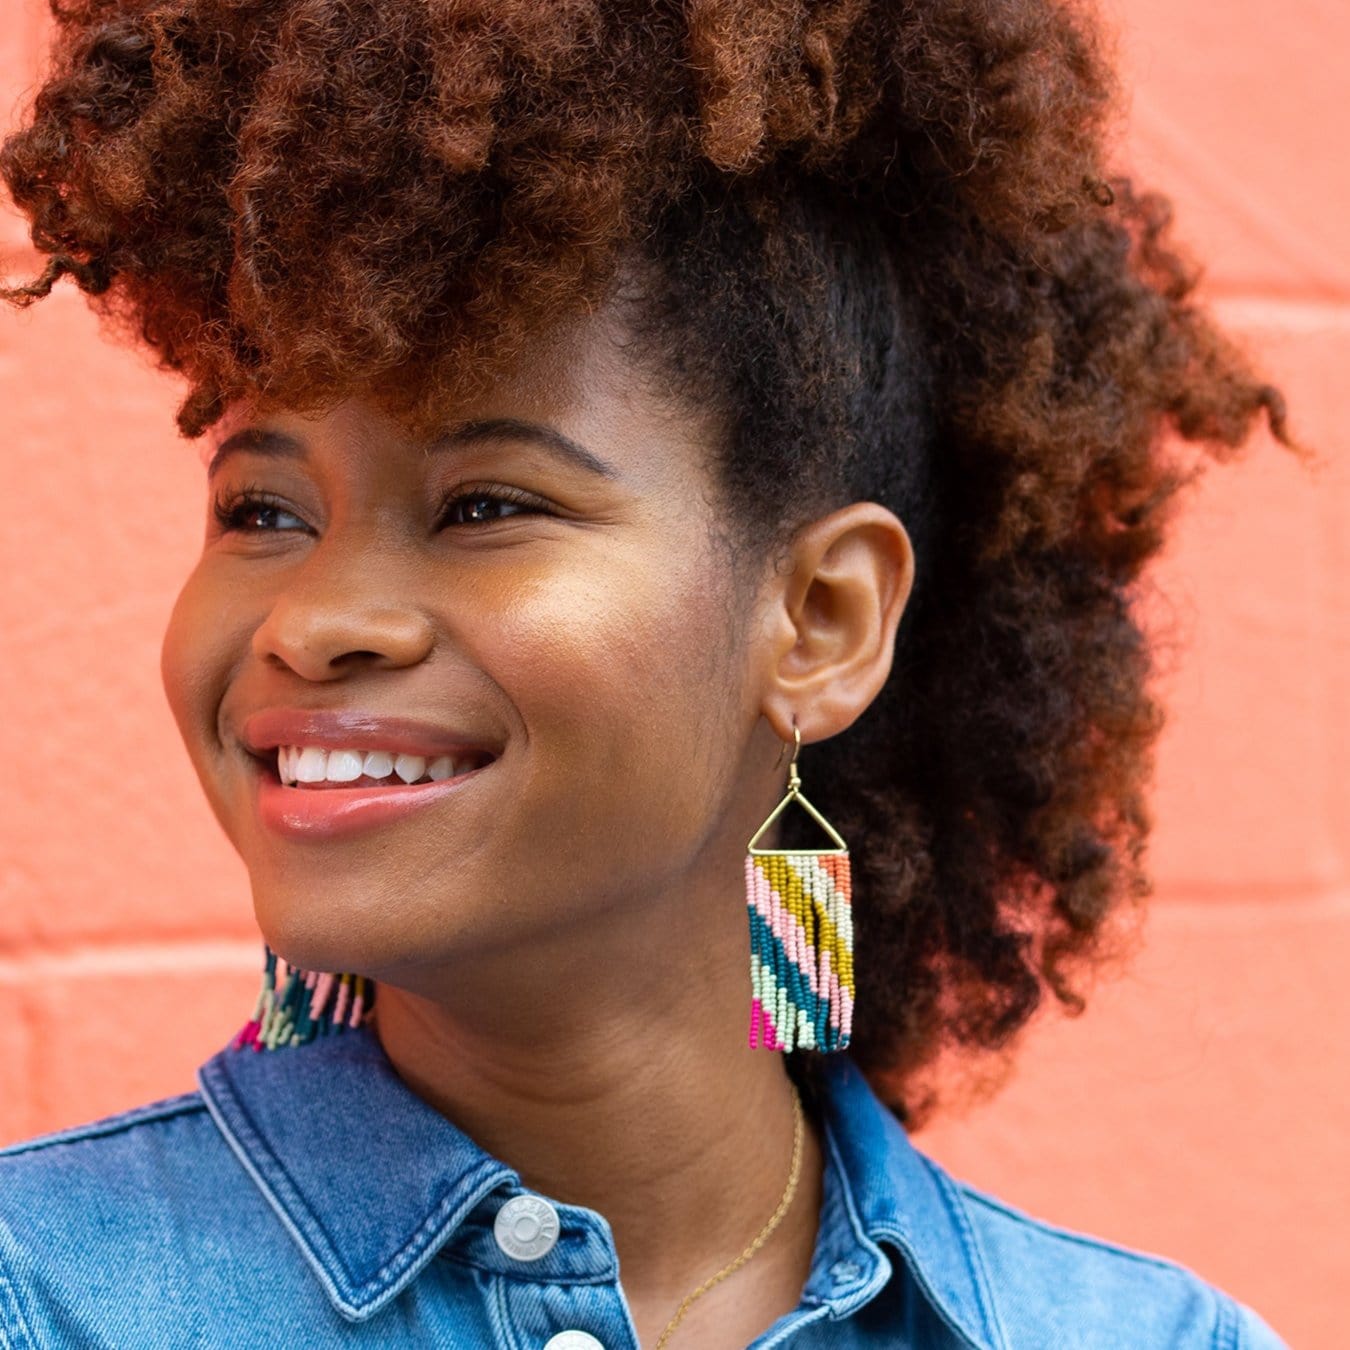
point(623, 422)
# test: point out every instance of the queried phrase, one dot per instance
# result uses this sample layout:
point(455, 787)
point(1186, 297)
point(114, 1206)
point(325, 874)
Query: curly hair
point(881, 239)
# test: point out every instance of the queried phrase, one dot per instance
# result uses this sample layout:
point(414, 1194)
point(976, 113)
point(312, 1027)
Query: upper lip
point(352, 729)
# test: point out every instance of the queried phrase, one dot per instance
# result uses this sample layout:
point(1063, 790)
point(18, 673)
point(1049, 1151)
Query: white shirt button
point(573, 1340)
point(526, 1228)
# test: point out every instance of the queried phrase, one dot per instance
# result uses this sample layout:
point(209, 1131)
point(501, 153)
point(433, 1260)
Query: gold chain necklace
point(761, 1237)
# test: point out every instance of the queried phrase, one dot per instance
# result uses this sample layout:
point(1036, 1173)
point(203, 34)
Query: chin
point(318, 932)
point(320, 926)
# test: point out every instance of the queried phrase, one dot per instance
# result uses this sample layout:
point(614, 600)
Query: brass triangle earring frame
point(794, 793)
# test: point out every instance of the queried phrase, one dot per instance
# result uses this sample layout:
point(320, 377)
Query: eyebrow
point(461, 435)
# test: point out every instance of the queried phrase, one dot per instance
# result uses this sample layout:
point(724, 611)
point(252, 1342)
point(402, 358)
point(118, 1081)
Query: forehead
point(579, 381)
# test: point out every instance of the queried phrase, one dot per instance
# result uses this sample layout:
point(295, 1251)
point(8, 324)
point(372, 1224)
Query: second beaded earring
point(799, 903)
point(294, 1006)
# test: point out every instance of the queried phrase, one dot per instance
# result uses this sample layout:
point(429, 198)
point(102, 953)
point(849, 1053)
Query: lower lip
point(327, 813)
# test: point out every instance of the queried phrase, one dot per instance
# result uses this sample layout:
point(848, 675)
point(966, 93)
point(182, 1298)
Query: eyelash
point(468, 492)
point(231, 509)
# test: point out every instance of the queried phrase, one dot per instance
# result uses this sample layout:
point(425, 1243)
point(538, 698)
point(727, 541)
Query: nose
point(330, 621)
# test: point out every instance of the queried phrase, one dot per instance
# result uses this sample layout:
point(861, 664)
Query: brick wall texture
point(1198, 1109)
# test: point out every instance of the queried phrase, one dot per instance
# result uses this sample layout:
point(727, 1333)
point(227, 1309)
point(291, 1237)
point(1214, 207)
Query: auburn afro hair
point(880, 237)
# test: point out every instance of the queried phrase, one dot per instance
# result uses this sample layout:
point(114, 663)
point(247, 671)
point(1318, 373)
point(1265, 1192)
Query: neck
point(632, 1101)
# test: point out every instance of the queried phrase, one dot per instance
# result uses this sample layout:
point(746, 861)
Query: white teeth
point(345, 766)
point(410, 767)
point(312, 766)
point(378, 764)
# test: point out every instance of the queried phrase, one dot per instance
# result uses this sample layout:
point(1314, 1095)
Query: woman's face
point(529, 619)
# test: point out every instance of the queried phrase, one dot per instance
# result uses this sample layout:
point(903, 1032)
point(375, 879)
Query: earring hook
point(794, 793)
point(793, 780)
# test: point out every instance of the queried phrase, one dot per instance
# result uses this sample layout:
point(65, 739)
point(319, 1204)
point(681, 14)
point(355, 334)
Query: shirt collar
point(370, 1182)
point(896, 1196)
point(367, 1178)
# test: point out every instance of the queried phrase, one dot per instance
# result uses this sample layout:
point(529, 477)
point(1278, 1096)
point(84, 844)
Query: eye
point(249, 511)
point(475, 505)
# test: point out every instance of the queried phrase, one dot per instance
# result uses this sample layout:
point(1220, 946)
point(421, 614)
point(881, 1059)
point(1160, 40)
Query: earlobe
point(841, 605)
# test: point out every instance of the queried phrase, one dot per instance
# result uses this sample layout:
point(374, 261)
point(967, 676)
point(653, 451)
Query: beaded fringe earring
point(801, 937)
point(310, 1003)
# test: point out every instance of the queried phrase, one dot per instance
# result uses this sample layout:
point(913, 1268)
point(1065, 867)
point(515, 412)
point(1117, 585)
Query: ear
point(832, 620)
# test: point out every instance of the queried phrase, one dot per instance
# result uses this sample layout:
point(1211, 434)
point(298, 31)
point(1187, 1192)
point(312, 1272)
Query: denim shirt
point(307, 1197)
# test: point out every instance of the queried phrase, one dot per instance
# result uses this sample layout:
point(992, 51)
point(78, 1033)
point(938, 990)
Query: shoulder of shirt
point(96, 1197)
point(107, 1178)
point(149, 1114)
point(1053, 1285)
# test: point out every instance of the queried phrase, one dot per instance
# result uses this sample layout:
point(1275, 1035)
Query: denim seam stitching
point(503, 1313)
point(973, 1252)
point(1228, 1329)
point(318, 1245)
point(1079, 1239)
point(938, 1302)
point(860, 1233)
point(902, 1242)
point(184, 1104)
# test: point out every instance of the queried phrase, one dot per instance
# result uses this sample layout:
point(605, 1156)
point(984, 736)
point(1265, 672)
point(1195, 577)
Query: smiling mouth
point(311, 767)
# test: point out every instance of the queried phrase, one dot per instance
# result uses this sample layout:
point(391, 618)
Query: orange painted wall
point(1200, 1108)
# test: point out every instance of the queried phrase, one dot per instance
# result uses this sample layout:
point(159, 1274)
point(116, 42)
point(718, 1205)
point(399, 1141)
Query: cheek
point(626, 688)
point(199, 652)
point(636, 634)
